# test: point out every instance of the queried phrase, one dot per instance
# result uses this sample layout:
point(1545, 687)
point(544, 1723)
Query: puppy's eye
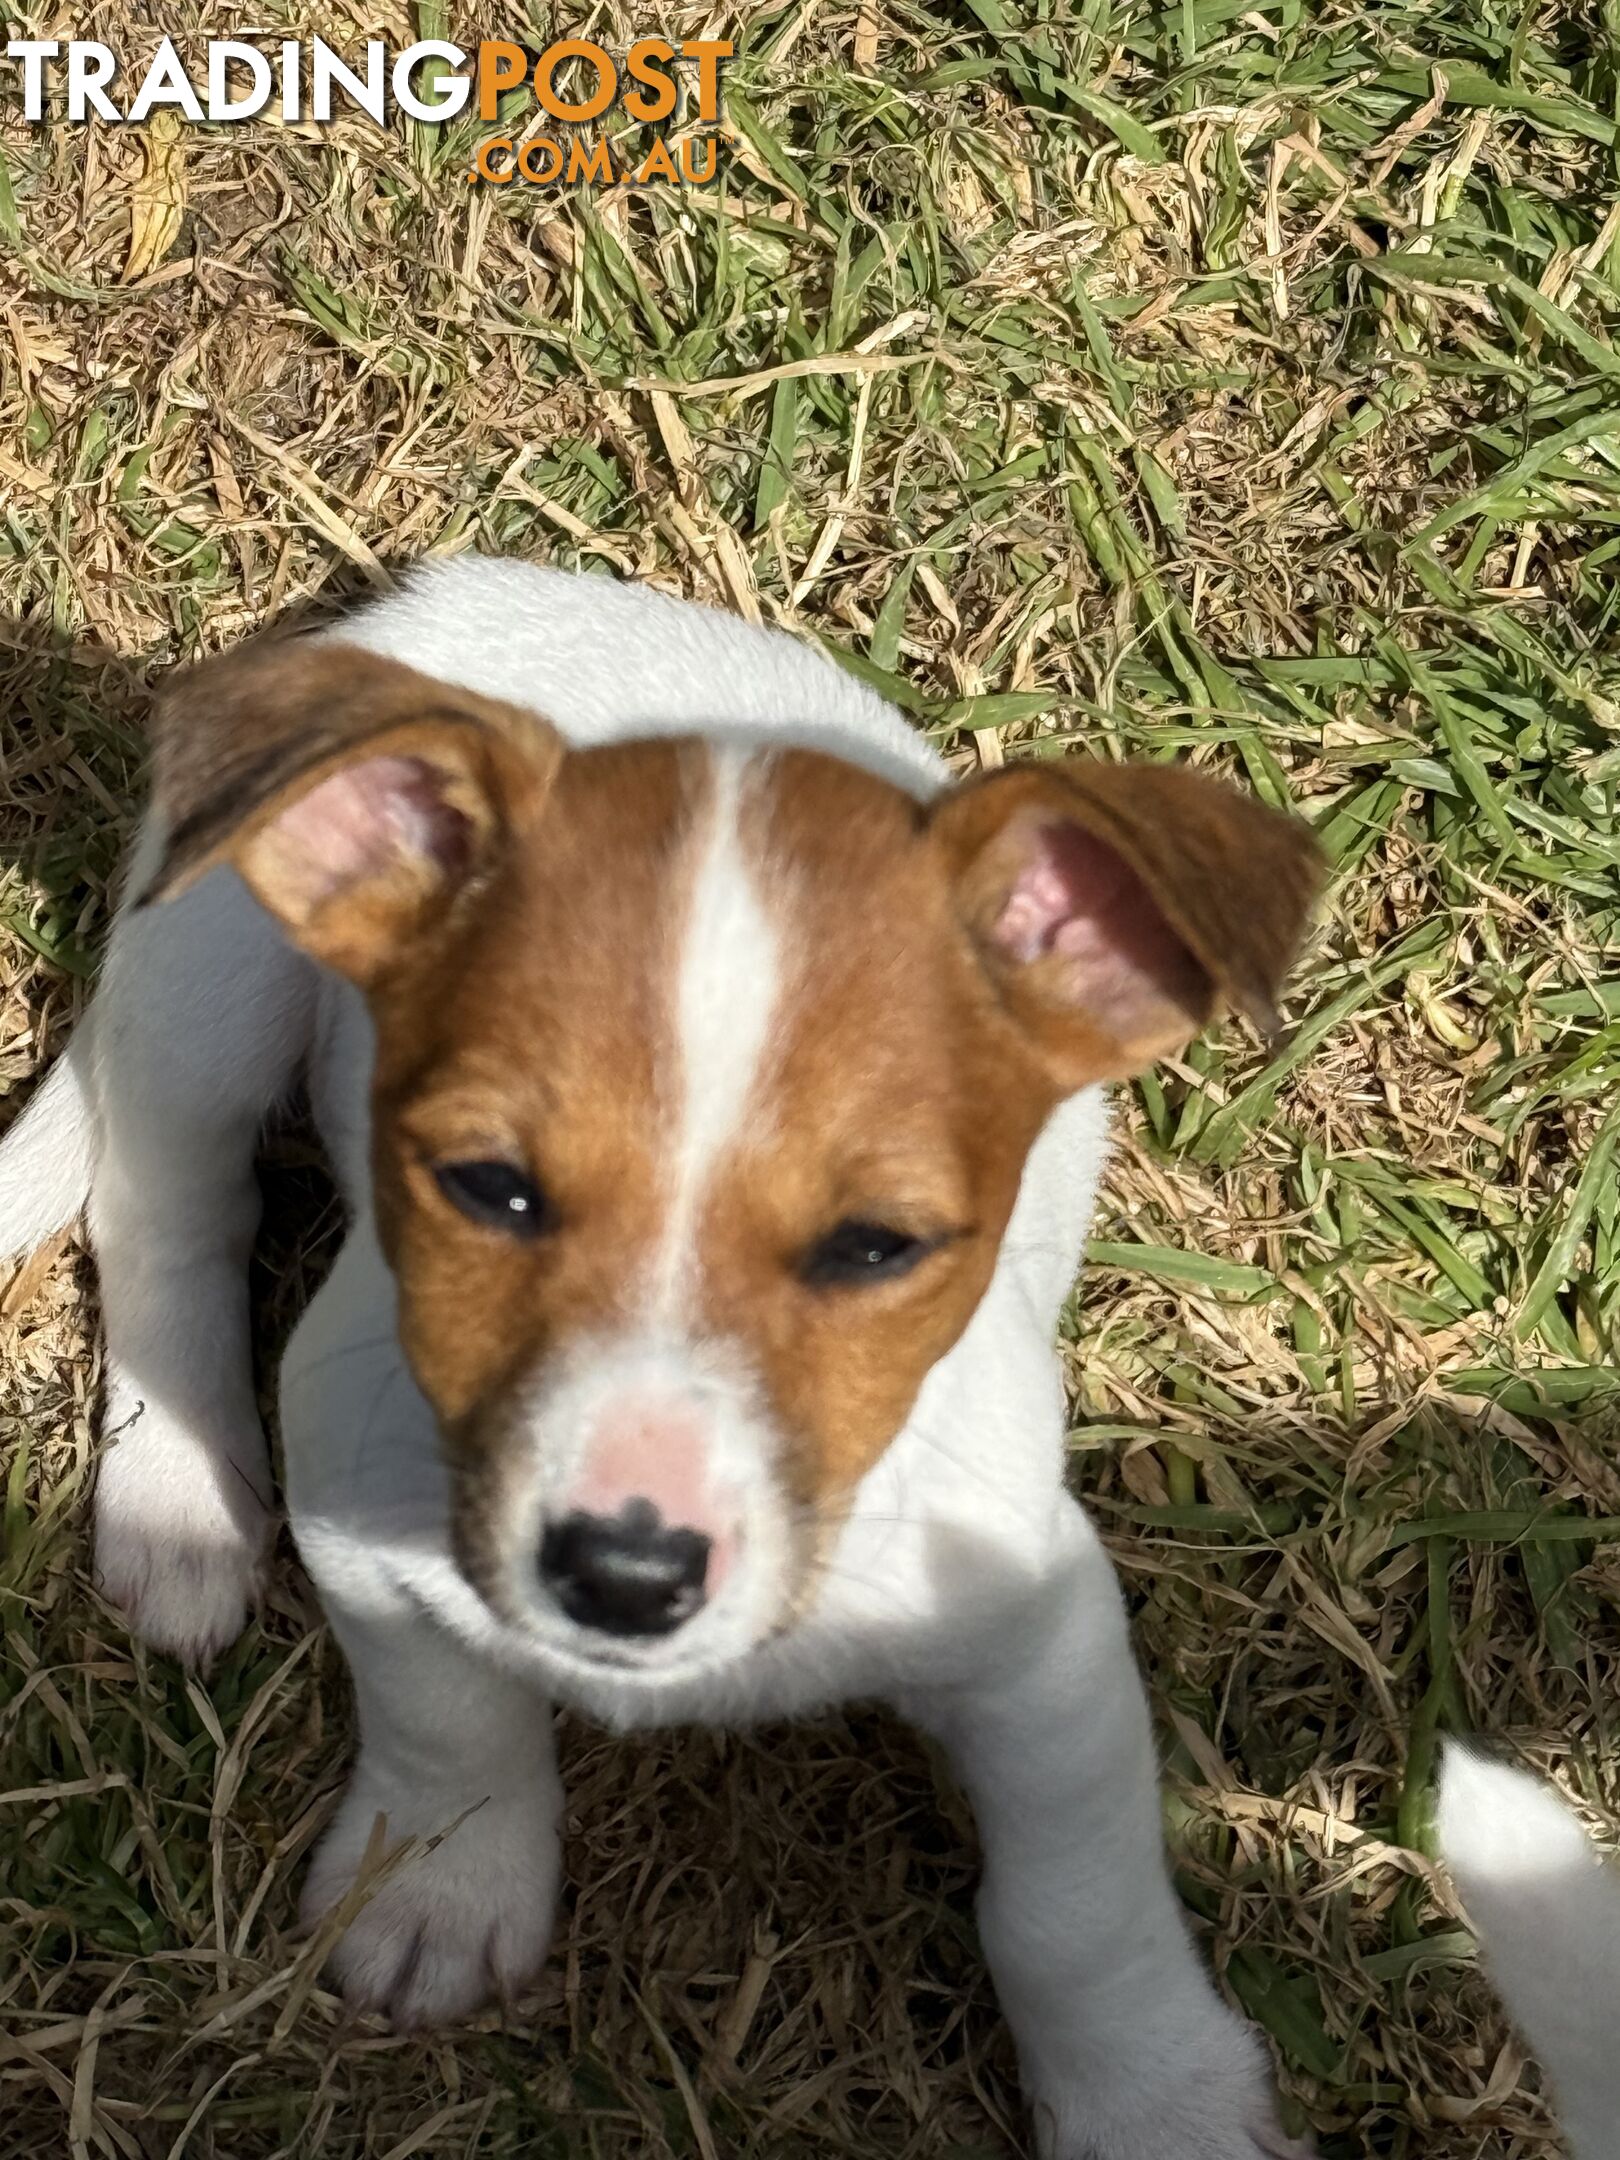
point(498, 1195)
point(860, 1252)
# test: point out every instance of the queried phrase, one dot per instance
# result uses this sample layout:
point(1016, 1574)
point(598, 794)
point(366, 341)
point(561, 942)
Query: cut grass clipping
point(1227, 380)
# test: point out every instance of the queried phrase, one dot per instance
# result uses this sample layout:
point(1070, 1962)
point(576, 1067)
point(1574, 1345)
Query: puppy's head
point(705, 1078)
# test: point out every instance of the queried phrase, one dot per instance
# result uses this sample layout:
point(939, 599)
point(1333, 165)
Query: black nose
point(627, 1574)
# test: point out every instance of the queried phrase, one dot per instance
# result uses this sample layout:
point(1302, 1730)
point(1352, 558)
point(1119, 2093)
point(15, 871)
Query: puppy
point(714, 1091)
point(1549, 1921)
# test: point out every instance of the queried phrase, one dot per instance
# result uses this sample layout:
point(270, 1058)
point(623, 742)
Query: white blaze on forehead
point(728, 973)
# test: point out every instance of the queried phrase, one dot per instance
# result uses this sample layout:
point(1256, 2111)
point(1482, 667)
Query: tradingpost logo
point(573, 113)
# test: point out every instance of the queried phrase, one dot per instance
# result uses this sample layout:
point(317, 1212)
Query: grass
point(1235, 381)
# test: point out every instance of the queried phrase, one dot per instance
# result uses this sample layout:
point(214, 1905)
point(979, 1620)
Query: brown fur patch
point(542, 1037)
point(886, 1048)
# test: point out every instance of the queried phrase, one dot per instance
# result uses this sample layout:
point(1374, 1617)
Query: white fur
point(470, 1778)
point(966, 1586)
point(1549, 1922)
point(726, 992)
point(45, 1163)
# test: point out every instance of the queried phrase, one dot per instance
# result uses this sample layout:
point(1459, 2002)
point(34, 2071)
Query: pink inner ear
point(368, 819)
point(1077, 900)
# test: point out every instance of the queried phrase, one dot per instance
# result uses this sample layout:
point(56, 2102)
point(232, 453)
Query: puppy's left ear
point(1115, 907)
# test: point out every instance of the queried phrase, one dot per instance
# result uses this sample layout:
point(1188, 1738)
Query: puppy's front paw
point(1208, 2098)
point(1171, 2131)
point(450, 1927)
point(180, 1543)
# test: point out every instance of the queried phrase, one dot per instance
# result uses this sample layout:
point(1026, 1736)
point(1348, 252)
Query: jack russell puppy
point(713, 1088)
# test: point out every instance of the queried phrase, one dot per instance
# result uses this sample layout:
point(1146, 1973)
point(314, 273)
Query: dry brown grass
point(1292, 445)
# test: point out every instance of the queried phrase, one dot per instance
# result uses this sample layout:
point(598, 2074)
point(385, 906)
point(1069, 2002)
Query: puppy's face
point(704, 1082)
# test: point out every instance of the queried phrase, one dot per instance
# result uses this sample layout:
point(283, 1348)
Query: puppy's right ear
point(360, 801)
point(1114, 907)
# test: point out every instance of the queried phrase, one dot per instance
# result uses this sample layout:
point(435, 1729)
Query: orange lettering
point(641, 61)
point(708, 53)
point(529, 156)
point(693, 149)
point(483, 159)
point(658, 165)
point(607, 79)
point(501, 66)
point(594, 164)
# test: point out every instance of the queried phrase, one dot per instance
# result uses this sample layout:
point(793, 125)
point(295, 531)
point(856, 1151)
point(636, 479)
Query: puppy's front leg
point(459, 1758)
point(1127, 2051)
point(196, 1031)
